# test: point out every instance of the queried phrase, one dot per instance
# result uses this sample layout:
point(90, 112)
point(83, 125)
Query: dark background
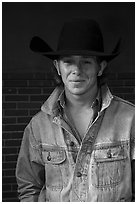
point(21, 21)
point(27, 77)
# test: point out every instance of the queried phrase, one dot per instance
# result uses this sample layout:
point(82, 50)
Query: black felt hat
point(77, 37)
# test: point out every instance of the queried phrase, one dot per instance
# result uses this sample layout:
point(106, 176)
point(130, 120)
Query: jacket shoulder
point(38, 117)
point(124, 106)
point(41, 126)
point(124, 102)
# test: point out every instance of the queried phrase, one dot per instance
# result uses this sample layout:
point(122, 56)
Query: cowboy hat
point(78, 37)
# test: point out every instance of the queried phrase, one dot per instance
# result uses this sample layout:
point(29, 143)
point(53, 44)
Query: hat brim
point(56, 54)
point(39, 46)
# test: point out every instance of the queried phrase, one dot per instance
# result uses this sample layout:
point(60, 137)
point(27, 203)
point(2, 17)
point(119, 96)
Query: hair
point(101, 79)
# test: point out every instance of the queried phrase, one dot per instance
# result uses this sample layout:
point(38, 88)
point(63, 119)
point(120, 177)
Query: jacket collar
point(106, 97)
point(61, 99)
point(52, 107)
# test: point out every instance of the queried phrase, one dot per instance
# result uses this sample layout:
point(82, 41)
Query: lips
point(77, 80)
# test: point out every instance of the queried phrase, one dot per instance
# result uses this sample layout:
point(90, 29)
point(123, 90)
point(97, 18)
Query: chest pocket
point(109, 166)
point(54, 158)
point(53, 155)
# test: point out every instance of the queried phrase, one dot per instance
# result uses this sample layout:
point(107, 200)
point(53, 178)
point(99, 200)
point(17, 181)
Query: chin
point(77, 91)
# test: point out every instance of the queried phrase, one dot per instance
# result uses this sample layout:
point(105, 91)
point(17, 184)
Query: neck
point(81, 101)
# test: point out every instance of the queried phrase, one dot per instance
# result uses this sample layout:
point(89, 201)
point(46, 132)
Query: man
point(80, 146)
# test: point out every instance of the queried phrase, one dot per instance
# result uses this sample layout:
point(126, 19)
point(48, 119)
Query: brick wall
point(23, 95)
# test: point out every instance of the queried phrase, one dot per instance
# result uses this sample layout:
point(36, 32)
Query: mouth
point(77, 81)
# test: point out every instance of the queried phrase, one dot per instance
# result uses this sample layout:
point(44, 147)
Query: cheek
point(91, 73)
point(64, 74)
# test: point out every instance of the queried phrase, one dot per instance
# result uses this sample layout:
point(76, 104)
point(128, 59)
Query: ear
point(103, 65)
point(55, 62)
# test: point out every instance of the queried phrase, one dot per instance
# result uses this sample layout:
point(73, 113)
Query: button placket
point(72, 145)
point(80, 184)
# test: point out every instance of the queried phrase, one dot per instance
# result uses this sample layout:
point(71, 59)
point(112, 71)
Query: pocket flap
point(110, 154)
point(53, 154)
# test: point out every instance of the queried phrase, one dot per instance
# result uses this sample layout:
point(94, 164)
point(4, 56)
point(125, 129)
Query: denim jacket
point(54, 166)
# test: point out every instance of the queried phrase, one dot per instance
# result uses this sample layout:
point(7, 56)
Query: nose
point(77, 69)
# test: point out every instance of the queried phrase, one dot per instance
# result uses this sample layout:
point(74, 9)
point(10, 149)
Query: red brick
point(45, 75)
point(15, 83)
point(15, 199)
point(28, 105)
point(24, 120)
point(40, 75)
point(17, 75)
point(16, 98)
point(12, 135)
point(9, 195)
point(129, 82)
point(9, 172)
point(12, 143)
point(112, 76)
point(9, 150)
point(9, 158)
point(29, 91)
point(13, 127)
point(126, 75)
point(16, 112)
point(9, 180)
point(41, 83)
point(9, 105)
point(9, 165)
point(21, 75)
point(114, 83)
point(123, 90)
point(9, 90)
point(6, 187)
point(9, 120)
point(39, 97)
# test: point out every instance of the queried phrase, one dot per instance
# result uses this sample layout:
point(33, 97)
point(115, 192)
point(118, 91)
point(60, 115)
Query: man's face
point(79, 73)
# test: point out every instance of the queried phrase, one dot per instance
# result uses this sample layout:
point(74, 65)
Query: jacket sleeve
point(30, 168)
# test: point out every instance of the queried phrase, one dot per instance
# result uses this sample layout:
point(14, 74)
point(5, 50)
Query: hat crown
point(78, 37)
point(81, 34)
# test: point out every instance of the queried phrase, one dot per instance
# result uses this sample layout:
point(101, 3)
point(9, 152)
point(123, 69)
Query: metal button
point(79, 174)
point(71, 143)
point(49, 157)
point(109, 154)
